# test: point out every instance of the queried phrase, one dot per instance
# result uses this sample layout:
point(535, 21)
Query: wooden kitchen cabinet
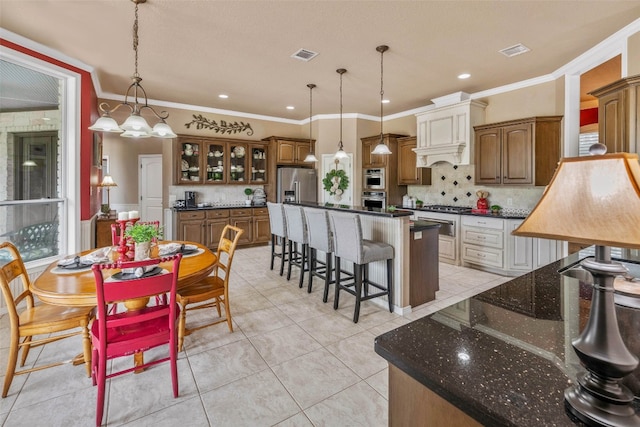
point(370, 160)
point(217, 219)
point(619, 115)
point(191, 226)
point(103, 231)
point(243, 218)
point(408, 172)
point(201, 160)
point(261, 225)
point(290, 151)
point(518, 152)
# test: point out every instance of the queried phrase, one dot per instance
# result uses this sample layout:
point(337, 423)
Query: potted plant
point(419, 203)
point(142, 235)
point(495, 209)
point(248, 192)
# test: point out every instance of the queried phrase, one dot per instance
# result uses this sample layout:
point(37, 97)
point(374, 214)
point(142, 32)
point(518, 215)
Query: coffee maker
point(190, 199)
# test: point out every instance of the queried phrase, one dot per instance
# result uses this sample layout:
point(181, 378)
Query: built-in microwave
point(374, 200)
point(373, 179)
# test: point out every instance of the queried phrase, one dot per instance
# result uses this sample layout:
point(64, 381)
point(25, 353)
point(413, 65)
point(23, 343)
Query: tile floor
point(291, 361)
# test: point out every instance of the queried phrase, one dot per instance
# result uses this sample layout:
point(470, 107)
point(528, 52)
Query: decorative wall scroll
point(202, 122)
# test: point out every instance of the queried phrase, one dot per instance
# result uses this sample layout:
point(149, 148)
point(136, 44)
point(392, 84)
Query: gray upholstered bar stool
point(297, 235)
point(320, 239)
point(350, 246)
point(278, 226)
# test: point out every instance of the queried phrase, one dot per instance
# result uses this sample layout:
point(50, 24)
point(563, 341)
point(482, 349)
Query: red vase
point(483, 204)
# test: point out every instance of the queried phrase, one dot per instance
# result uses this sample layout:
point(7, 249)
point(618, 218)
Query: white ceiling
point(192, 50)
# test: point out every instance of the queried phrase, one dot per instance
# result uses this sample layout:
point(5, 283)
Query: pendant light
point(310, 157)
point(340, 154)
point(381, 148)
point(135, 126)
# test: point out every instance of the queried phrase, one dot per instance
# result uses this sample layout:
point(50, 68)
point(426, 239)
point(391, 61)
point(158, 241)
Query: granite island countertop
point(395, 213)
point(504, 357)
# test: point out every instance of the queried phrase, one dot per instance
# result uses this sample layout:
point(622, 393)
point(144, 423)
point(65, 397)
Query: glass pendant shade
point(137, 123)
point(381, 149)
point(106, 124)
point(341, 154)
point(135, 134)
point(310, 158)
point(163, 130)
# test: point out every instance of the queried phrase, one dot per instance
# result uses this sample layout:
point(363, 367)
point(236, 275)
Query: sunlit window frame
point(70, 224)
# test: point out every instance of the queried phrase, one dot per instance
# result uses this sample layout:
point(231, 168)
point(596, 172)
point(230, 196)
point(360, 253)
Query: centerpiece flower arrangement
point(336, 182)
point(142, 235)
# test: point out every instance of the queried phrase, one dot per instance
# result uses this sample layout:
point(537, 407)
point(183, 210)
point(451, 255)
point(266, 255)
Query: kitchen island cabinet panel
point(424, 272)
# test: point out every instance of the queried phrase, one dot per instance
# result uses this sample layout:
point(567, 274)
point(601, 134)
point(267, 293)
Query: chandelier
point(310, 157)
point(381, 148)
point(135, 126)
point(340, 154)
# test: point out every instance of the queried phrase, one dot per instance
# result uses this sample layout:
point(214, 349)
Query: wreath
point(335, 182)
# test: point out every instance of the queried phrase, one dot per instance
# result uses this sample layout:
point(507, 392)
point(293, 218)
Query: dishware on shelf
point(185, 165)
point(260, 170)
point(239, 152)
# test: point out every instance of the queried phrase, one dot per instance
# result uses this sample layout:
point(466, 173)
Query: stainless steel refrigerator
point(297, 185)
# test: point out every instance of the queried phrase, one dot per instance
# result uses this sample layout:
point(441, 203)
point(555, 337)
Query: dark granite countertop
point(397, 213)
point(208, 208)
point(501, 215)
point(504, 356)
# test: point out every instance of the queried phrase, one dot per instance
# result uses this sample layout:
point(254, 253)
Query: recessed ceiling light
point(385, 101)
point(514, 50)
point(223, 96)
point(464, 76)
point(290, 107)
point(46, 118)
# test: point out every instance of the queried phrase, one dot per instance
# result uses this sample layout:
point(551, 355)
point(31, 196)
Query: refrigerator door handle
point(296, 188)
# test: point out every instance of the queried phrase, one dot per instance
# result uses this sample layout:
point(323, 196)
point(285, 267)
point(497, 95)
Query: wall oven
point(373, 179)
point(374, 199)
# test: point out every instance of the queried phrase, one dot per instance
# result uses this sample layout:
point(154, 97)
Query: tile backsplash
point(454, 185)
point(213, 194)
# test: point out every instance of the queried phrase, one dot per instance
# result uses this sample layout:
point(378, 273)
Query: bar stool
point(278, 226)
point(350, 246)
point(297, 234)
point(320, 239)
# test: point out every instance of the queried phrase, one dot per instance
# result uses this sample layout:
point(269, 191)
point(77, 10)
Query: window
point(37, 141)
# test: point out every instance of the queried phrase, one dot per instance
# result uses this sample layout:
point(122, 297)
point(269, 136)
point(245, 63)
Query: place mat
point(175, 248)
point(60, 270)
point(121, 275)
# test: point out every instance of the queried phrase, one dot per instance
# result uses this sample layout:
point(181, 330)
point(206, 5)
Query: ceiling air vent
point(304, 55)
point(514, 50)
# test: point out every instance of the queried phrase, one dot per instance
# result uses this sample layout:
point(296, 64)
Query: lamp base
point(597, 412)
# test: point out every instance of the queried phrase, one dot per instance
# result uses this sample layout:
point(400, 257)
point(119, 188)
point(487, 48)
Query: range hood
point(445, 133)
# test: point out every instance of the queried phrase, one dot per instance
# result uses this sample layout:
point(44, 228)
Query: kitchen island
point(392, 227)
point(501, 358)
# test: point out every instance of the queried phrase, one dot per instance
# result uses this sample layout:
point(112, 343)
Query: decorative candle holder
point(125, 247)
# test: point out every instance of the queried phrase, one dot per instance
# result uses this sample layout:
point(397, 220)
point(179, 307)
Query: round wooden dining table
point(78, 289)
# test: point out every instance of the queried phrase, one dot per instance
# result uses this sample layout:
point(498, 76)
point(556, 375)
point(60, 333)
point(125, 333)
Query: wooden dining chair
point(214, 289)
point(26, 319)
point(123, 334)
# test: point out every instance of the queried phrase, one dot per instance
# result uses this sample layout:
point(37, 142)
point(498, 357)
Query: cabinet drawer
point(482, 256)
point(241, 212)
point(191, 215)
point(260, 211)
point(218, 213)
point(479, 221)
point(483, 237)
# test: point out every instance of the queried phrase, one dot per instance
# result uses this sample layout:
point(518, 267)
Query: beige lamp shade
point(107, 181)
point(592, 200)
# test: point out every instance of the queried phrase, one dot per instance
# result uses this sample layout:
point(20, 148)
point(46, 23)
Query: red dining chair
point(130, 332)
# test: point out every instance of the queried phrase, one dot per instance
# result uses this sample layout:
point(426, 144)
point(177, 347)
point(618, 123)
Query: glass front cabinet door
point(217, 158)
point(189, 168)
point(259, 164)
point(238, 164)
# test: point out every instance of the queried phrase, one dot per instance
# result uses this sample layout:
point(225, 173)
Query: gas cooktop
point(446, 209)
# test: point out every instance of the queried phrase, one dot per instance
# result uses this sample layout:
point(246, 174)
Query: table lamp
point(107, 182)
point(595, 200)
